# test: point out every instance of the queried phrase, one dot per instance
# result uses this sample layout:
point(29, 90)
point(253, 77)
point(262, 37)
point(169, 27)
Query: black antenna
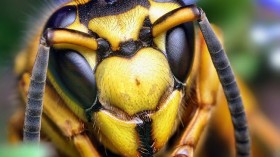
point(34, 106)
point(231, 90)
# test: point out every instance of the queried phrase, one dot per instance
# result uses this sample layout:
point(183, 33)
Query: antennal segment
point(34, 106)
point(231, 90)
point(66, 36)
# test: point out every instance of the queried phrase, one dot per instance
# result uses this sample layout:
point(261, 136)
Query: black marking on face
point(147, 22)
point(104, 48)
point(74, 76)
point(94, 108)
point(101, 8)
point(129, 48)
point(178, 85)
point(146, 32)
point(62, 18)
point(144, 131)
point(180, 50)
point(146, 36)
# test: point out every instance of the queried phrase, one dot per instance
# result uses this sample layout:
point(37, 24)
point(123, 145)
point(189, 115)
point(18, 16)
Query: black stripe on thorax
point(100, 8)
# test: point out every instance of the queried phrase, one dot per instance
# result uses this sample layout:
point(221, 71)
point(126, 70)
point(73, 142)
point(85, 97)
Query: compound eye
point(62, 18)
point(180, 50)
point(74, 76)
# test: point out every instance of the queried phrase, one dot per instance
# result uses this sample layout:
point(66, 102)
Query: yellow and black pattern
point(143, 107)
point(123, 72)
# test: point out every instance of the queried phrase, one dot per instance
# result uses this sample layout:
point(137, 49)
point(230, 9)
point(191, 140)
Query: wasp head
point(107, 66)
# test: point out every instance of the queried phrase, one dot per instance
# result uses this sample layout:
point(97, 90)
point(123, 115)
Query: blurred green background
point(14, 15)
point(235, 18)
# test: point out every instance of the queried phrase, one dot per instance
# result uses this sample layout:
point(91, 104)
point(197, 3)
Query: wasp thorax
point(136, 83)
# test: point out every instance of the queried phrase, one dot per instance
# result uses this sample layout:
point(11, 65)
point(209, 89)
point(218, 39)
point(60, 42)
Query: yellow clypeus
point(134, 84)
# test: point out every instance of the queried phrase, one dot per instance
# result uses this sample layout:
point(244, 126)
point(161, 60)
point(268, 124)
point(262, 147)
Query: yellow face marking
point(160, 41)
point(178, 17)
point(90, 57)
point(164, 120)
point(135, 84)
point(78, 26)
point(119, 28)
point(158, 9)
point(120, 136)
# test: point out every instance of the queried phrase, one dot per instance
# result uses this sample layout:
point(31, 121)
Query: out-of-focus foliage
point(23, 150)
point(13, 16)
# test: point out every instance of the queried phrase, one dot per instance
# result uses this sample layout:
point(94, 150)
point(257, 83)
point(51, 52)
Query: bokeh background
point(252, 38)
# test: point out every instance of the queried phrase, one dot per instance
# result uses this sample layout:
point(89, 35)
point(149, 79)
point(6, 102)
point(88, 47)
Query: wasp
point(127, 78)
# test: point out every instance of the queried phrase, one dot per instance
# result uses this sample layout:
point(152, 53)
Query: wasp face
point(131, 87)
point(121, 68)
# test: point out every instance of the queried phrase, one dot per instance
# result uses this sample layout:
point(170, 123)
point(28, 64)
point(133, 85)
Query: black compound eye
point(74, 76)
point(62, 18)
point(180, 50)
